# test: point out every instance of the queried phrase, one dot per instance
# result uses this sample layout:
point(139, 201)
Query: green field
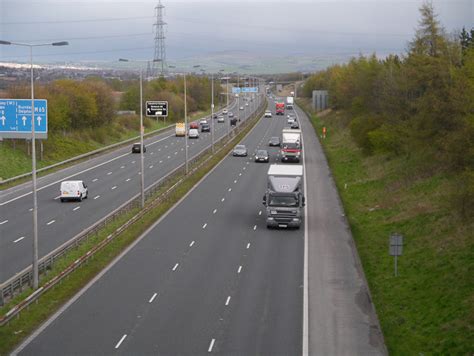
point(429, 308)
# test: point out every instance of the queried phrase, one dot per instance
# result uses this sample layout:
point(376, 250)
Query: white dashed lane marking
point(175, 266)
point(152, 298)
point(114, 187)
point(19, 239)
point(76, 208)
point(3, 222)
point(51, 222)
point(96, 197)
point(120, 342)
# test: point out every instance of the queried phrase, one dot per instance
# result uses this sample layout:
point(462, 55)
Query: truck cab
point(283, 198)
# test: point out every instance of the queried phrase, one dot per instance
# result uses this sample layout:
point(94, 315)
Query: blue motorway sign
point(237, 90)
point(15, 118)
point(249, 90)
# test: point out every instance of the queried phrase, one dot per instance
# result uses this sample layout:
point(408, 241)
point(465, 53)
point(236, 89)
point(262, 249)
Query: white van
point(73, 189)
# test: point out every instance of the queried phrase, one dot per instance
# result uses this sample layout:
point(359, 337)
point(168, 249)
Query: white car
point(203, 121)
point(246, 104)
point(220, 119)
point(193, 133)
point(268, 113)
point(224, 111)
point(73, 190)
point(241, 108)
point(291, 120)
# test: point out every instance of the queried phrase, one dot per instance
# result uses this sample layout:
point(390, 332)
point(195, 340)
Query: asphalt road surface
point(112, 179)
point(209, 277)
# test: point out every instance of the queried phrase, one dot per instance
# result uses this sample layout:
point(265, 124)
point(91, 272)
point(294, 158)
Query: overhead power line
point(75, 21)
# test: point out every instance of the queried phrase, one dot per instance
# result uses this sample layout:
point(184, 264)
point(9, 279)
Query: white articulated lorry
point(290, 145)
point(283, 199)
point(290, 102)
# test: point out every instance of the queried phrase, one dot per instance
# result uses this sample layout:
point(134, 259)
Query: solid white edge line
point(211, 345)
point(121, 340)
point(305, 268)
point(152, 298)
point(71, 301)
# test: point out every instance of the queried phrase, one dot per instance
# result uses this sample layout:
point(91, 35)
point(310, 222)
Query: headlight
point(296, 219)
point(269, 218)
point(273, 212)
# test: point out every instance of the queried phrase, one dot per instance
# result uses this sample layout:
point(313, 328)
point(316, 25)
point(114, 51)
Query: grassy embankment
point(429, 307)
point(59, 147)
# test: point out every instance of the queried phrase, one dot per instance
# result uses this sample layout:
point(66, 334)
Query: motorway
point(209, 277)
point(112, 179)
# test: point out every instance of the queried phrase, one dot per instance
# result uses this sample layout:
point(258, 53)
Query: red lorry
point(280, 108)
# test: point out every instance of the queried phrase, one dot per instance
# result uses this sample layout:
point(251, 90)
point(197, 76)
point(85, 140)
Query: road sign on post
point(396, 248)
point(157, 108)
point(15, 118)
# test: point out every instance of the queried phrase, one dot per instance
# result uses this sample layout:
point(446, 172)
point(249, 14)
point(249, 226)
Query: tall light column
point(33, 153)
point(186, 126)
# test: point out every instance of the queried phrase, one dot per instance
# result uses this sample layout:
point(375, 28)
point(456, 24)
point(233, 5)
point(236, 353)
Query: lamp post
point(142, 156)
point(185, 123)
point(33, 153)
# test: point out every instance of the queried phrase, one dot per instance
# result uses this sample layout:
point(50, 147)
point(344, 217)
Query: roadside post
point(396, 249)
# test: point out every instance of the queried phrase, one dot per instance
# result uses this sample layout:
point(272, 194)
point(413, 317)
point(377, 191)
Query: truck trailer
point(289, 102)
point(291, 145)
point(283, 198)
point(279, 108)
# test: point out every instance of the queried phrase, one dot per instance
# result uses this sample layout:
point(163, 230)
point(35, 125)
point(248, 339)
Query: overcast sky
point(108, 29)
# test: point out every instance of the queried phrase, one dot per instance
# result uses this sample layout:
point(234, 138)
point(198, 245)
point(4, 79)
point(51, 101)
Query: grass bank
point(429, 308)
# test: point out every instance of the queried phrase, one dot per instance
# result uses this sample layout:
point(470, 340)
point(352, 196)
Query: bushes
point(360, 128)
point(420, 105)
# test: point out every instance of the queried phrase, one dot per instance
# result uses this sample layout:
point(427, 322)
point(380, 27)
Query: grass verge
point(14, 332)
point(429, 307)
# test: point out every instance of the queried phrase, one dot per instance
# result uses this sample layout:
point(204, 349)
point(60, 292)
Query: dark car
point(240, 150)
point(233, 121)
point(274, 141)
point(205, 128)
point(261, 156)
point(215, 116)
point(136, 148)
point(295, 125)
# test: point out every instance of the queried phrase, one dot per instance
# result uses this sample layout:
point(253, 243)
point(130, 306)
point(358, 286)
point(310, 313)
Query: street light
point(33, 152)
point(142, 157)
